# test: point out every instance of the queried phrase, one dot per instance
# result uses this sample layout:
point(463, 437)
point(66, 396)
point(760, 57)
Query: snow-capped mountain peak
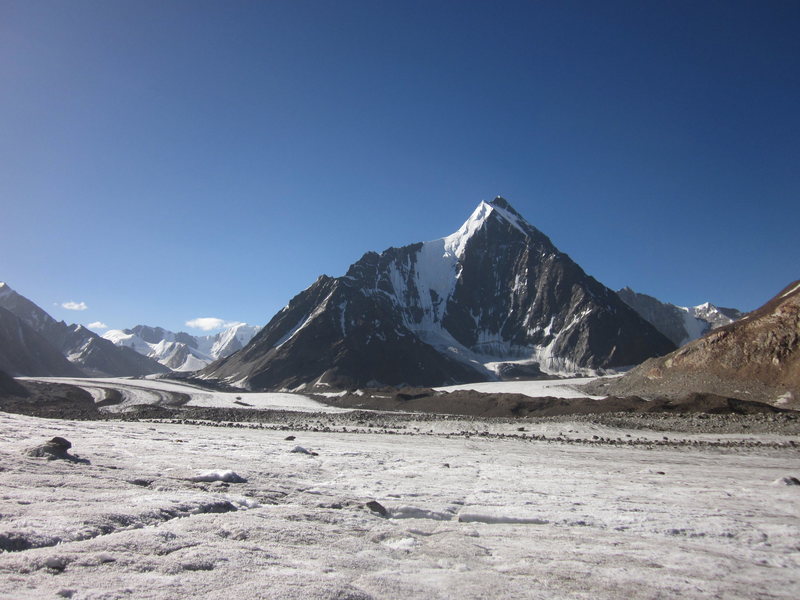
point(473, 305)
point(456, 243)
point(182, 351)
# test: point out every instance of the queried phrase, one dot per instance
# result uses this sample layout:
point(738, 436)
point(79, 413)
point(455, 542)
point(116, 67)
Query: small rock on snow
point(377, 507)
point(787, 481)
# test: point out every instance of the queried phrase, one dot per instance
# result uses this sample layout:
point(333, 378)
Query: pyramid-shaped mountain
point(496, 299)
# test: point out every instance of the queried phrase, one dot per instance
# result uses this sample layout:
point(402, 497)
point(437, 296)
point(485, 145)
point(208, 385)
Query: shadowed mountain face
point(24, 352)
point(754, 358)
point(91, 354)
point(493, 300)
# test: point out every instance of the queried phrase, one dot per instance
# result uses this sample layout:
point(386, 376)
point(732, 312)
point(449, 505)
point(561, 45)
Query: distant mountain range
point(496, 299)
point(33, 343)
point(182, 351)
point(680, 324)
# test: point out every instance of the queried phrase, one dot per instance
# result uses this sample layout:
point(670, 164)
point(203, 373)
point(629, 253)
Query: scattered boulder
point(54, 449)
point(377, 507)
point(289, 438)
point(140, 481)
point(787, 481)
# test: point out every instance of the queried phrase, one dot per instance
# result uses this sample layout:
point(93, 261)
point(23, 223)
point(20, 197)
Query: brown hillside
point(755, 358)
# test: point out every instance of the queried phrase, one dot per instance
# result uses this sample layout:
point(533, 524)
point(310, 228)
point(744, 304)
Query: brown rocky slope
point(755, 358)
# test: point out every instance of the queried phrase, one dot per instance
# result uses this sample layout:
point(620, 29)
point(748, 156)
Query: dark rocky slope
point(11, 387)
point(24, 352)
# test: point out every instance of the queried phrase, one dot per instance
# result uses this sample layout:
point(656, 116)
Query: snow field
point(467, 517)
point(558, 388)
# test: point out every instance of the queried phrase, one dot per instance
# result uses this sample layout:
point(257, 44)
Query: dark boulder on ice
point(377, 507)
point(54, 449)
point(787, 481)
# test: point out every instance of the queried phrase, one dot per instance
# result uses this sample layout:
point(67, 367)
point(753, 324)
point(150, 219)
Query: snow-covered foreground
point(467, 517)
point(159, 391)
point(557, 388)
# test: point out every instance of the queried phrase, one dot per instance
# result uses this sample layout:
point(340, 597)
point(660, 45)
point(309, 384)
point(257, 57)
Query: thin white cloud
point(74, 305)
point(97, 325)
point(209, 323)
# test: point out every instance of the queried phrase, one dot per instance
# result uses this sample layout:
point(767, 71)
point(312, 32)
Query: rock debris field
point(362, 505)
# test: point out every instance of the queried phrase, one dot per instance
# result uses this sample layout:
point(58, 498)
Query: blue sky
point(162, 161)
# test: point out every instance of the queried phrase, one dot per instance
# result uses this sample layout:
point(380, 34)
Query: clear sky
point(162, 161)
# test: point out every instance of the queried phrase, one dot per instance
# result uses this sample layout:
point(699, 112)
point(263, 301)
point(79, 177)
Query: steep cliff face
point(494, 299)
point(754, 358)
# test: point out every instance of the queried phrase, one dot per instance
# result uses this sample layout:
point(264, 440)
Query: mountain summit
point(496, 299)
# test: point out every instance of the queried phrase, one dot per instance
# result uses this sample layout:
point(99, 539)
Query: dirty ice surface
point(163, 392)
point(465, 517)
